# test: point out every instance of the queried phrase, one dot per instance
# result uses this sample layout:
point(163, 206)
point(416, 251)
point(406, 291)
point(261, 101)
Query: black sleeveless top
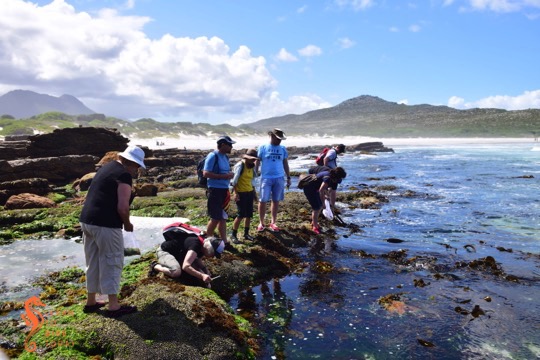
point(100, 206)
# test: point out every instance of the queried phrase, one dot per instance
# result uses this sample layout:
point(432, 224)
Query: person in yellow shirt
point(244, 193)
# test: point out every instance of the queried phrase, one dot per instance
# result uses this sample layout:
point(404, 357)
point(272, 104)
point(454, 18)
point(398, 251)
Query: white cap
point(135, 154)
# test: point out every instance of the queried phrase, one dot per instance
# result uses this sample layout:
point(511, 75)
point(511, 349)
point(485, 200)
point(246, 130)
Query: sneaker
point(234, 239)
point(123, 310)
point(260, 228)
point(152, 271)
point(249, 237)
point(316, 230)
point(274, 228)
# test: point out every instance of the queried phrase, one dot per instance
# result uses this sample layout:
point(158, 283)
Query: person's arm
point(287, 172)
point(322, 191)
point(188, 267)
point(124, 194)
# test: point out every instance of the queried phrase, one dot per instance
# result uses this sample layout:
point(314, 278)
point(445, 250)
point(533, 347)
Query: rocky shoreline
point(174, 321)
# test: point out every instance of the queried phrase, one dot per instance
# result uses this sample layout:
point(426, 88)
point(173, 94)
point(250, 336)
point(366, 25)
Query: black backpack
point(200, 167)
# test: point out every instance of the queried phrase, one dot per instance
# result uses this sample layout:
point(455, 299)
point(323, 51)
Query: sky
point(244, 60)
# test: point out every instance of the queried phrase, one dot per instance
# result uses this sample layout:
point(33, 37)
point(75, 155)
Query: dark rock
point(77, 141)
point(34, 186)
point(57, 170)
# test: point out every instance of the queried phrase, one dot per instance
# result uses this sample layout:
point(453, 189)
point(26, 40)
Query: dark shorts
point(217, 199)
point(314, 197)
point(245, 204)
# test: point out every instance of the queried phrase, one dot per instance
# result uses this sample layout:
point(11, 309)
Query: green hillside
point(360, 116)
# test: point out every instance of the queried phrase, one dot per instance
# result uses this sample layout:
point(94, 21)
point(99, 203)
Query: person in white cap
point(105, 212)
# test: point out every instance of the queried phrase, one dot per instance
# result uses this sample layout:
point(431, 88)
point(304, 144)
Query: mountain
point(23, 104)
point(372, 116)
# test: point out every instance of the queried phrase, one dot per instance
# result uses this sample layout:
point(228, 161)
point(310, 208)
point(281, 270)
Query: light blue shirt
point(272, 157)
point(222, 167)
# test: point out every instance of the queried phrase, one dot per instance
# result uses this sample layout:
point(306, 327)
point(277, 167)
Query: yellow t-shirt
point(244, 182)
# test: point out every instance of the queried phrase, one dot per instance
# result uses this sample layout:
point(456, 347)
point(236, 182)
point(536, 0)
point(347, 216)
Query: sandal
point(260, 227)
point(274, 228)
point(123, 310)
point(87, 309)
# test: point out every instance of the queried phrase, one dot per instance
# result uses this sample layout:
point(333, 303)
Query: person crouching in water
point(189, 252)
point(317, 191)
point(244, 193)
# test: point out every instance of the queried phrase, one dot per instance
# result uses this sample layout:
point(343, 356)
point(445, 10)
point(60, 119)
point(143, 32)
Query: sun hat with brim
point(218, 245)
point(251, 154)
point(135, 154)
point(278, 133)
point(226, 139)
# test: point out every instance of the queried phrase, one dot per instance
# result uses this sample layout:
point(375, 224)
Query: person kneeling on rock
point(189, 252)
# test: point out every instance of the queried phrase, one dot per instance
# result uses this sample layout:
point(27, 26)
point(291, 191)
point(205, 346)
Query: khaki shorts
point(167, 260)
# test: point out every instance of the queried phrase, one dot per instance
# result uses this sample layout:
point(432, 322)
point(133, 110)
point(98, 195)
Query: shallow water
point(24, 260)
point(467, 201)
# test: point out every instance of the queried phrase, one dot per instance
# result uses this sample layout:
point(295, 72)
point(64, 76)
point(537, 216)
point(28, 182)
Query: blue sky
point(244, 60)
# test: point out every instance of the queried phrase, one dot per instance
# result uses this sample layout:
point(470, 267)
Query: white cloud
point(302, 9)
point(346, 43)
point(404, 102)
point(272, 105)
point(310, 50)
point(356, 5)
point(415, 28)
point(503, 6)
point(527, 100)
point(285, 56)
point(108, 62)
point(393, 29)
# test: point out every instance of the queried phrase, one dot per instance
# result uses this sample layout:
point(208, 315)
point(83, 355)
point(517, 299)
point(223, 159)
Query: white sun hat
point(135, 154)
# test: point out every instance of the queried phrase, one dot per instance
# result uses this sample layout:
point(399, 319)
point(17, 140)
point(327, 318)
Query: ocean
point(449, 209)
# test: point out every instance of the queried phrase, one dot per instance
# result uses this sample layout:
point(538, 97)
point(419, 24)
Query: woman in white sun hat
point(105, 212)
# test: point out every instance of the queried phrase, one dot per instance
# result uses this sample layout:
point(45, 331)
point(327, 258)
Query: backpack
point(180, 231)
point(306, 179)
point(320, 158)
point(201, 180)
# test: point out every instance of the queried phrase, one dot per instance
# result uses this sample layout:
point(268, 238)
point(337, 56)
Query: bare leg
point(212, 224)
point(170, 273)
point(91, 299)
point(274, 207)
point(113, 302)
point(247, 224)
point(315, 218)
point(236, 223)
point(262, 212)
point(222, 227)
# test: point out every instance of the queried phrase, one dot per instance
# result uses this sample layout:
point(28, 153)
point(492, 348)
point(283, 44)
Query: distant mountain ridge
point(360, 116)
point(372, 116)
point(23, 104)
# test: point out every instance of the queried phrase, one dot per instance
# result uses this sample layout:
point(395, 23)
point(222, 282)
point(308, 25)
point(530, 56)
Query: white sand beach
point(242, 142)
